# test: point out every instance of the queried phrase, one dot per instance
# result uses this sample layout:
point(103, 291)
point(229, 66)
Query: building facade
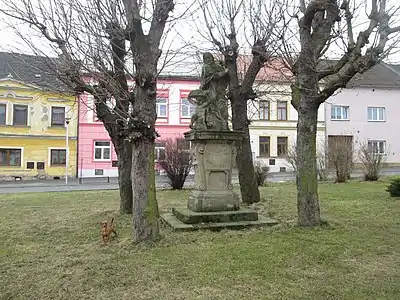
point(96, 155)
point(366, 113)
point(33, 123)
point(273, 128)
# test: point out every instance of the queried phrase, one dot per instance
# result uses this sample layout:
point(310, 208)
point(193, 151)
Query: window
point(376, 114)
point(159, 153)
point(20, 115)
point(339, 112)
point(58, 157)
point(161, 105)
point(102, 150)
point(282, 146)
point(187, 108)
point(377, 147)
point(3, 114)
point(98, 172)
point(57, 116)
point(282, 110)
point(30, 165)
point(264, 146)
point(10, 157)
point(40, 165)
point(263, 111)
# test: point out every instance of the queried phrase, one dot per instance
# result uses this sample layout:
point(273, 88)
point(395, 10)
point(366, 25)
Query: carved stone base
point(213, 201)
point(213, 204)
point(213, 153)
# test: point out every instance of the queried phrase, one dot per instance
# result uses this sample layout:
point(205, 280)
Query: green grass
point(50, 249)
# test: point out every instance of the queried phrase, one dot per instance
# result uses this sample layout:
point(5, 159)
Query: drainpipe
point(77, 137)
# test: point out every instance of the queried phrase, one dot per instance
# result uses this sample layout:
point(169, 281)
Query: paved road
point(102, 184)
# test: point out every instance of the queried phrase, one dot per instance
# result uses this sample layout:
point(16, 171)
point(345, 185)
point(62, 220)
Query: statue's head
point(208, 58)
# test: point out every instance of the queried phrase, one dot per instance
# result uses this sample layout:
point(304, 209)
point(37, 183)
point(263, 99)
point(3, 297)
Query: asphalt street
point(90, 184)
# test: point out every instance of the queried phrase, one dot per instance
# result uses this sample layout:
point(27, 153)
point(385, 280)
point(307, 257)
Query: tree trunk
point(145, 208)
point(145, 218)
point(244, 159)
point(124, 154)
point(307, 180)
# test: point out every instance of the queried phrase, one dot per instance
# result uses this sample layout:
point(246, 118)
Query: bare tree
point(323, 27)
point(230, 26)
point(372, 157)
point(340, 156)
point(108, 41)
point(176, 161)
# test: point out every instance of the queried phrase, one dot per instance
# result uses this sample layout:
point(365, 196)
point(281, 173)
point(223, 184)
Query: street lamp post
point(66, 149)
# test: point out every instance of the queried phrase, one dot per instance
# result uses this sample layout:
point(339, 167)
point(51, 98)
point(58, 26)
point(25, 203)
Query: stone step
point(188, 216)
point(177, 225)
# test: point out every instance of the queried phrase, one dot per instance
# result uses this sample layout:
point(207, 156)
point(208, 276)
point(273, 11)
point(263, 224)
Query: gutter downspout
point(77, 137)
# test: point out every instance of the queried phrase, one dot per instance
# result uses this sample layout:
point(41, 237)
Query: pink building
point(96, 155)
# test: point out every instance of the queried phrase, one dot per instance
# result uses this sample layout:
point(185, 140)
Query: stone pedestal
point(214, 154)
point(213, 204)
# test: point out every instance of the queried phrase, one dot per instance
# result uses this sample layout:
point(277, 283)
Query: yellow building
point(33, 118)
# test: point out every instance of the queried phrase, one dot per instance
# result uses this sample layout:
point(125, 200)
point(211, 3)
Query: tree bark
point(306, 178)
point(145, 207)
point(124, 154)
point(145, 218)
point(244, 158)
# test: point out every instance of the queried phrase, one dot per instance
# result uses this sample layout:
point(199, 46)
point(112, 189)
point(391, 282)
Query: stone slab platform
point(176, 225)
point(191, 217)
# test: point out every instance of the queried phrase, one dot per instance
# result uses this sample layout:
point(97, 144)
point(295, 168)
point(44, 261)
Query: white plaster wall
point(358, 100)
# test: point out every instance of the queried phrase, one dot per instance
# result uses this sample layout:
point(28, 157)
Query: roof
point(395, 68)
point(380, 75)
point(30, 69)
point(41, 71)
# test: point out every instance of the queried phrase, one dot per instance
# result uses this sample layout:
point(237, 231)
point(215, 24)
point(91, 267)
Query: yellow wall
point(38, 136)
point(37, 150)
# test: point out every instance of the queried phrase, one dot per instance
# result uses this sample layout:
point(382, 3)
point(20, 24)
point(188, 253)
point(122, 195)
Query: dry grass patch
point(51, 250)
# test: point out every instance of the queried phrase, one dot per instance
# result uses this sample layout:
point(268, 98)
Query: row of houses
point(45, 133)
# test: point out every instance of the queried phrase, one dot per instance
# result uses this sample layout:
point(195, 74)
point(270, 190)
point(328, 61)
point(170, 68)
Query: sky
point(186, 33)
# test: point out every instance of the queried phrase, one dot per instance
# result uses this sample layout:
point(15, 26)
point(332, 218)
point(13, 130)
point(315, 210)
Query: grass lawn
point(50, 249)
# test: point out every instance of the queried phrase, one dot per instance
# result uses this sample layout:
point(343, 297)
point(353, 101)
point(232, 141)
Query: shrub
point(176, 162)
point(340, 156)
point(261, 172)
point(394, 187)
point(372, 161)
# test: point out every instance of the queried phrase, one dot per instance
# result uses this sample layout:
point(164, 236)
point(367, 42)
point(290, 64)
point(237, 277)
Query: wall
point(171, 126)
point(274, 128)
point(38, 136)
point(35, 150)
point(358, 100)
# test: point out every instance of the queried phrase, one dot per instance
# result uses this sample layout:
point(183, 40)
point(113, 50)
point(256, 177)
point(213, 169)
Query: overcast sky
point(184, 31)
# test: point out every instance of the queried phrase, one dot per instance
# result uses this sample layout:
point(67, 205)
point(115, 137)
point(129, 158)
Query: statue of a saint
point(212, 103)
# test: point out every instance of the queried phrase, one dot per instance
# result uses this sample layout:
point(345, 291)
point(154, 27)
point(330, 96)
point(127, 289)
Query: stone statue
point(211, 102)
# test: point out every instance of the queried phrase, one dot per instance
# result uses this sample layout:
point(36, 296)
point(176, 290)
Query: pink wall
point(89, 131)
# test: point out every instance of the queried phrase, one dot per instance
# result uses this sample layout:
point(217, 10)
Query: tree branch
point(160, 17)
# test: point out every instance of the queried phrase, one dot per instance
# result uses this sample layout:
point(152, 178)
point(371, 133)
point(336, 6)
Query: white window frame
point(49, 156)
point(268, 110)
point(22, 156)
point(158, 105)
point(377, 113)
point(102, 151)
point(342, 109)
point(191, 108)
point(376, 142)
point(90, 113)
point(156, 150)
point(28, 121)
point(7, 113)
point(51, 115)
